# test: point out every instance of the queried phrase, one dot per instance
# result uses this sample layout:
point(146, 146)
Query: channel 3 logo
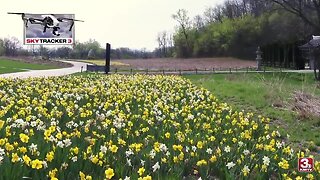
point(305, 164)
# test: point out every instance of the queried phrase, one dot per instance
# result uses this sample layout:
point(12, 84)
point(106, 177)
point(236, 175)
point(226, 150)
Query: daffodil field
point(134, 127)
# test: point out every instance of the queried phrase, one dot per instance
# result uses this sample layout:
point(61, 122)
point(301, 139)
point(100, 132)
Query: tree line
point(237, 27)
point(80, 50)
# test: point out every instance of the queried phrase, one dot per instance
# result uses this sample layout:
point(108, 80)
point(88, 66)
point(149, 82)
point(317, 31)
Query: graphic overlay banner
point(49, 29)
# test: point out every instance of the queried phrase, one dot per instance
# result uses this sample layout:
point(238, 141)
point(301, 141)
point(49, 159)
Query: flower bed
point(133, 127)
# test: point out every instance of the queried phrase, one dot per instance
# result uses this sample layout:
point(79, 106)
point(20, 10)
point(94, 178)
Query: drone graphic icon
point(47, 21)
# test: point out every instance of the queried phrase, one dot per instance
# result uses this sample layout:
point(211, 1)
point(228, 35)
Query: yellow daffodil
point(109, 173)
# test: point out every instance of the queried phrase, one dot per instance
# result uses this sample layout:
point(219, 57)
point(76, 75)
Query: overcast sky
point(123, 23)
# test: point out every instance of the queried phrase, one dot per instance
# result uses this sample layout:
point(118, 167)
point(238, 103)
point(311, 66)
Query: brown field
point(186, 64)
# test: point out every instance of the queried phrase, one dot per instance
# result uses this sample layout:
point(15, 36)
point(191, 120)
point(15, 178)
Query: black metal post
point(108, 52)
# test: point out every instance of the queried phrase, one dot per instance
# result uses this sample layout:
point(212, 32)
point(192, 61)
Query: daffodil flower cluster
point(133, 127)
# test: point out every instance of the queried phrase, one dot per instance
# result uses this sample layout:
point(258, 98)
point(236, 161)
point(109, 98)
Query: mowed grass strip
point(272, 95)
point(10, 66)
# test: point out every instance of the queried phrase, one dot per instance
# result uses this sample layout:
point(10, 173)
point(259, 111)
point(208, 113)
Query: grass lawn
point(272, 95)
point(10, 66)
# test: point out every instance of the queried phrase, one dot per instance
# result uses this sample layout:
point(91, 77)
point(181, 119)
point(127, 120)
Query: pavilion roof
point(313, 43)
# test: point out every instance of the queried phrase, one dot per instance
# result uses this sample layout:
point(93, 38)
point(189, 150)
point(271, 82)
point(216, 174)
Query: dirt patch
point(306, 105)
point(188, 64)
point(38, 60)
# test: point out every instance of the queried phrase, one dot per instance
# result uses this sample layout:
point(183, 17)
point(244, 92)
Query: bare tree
point(11, 46)
point(170, 40)
point(185, 24)
point(257, 7)
point(307, 10)
point(160, 44)
point(233, 9)
point(165, 42)
point(43, 52)
point(198, 23)
point(209, 15)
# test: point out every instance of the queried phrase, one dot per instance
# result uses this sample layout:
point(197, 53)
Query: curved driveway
point(50, 72)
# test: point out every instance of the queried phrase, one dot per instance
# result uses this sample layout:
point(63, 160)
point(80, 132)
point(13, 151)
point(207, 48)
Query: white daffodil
point(278, 145)
point(194, 148)
point(209, 151)
point(33, 147)
point(227, 149)
point(53, 123)
point(246, 152)
point(74, 159)
point(1, 152)
point(129, 162)
point(142, 162)
point(67, 142)
point(45, 164)
point(168, 153)
point(65, 165)
point(190, 117)
point(155, 167)
point(266, 160)
point(60, 144)
point(163, 147)
point(128, 153)
point(268, 136)
point(187, 148)
point(230, 165)
point(33, 123)
point(240, 143)
point(152, 154)
point(103, 149)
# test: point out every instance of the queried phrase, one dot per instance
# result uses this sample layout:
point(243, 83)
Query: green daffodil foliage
point(134, 127)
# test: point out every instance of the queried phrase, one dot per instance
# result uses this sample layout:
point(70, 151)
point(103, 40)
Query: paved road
point(48, 73)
